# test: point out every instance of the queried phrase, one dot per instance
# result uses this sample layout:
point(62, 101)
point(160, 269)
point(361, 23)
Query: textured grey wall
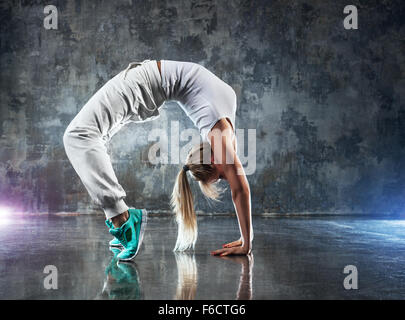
point(327, 103)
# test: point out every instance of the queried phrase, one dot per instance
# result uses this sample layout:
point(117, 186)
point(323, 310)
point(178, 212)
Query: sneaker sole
point(141, 233)
point(116, 245)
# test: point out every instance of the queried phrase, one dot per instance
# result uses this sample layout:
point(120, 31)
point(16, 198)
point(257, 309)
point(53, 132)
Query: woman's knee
point(71, 136)
point(68, 139)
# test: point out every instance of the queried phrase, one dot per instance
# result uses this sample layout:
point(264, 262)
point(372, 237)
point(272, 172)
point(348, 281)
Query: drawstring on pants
point(133, 65)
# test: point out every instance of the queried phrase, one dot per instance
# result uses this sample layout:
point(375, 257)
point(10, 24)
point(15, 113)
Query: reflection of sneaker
point(115, 243)
point(113, 263)
point(129, 271)
point(130, 234)
point(122, 280)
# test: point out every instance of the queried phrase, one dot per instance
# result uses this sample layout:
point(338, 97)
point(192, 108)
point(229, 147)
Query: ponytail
point(182, 198)
point(183, 206)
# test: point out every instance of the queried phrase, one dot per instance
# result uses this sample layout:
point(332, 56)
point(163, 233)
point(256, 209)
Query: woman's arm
point(241, 199)
point(222, 142)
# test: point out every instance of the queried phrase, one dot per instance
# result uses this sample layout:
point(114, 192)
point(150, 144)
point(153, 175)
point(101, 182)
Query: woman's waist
point(146, 75)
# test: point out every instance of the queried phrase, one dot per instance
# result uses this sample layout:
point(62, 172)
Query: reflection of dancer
point(187, 276)
point(135, 95)
point(122, 280)
point(245, 290)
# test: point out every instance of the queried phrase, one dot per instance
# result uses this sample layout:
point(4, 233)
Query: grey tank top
point(203, 96)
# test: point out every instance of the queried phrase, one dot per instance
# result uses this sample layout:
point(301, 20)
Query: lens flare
point(5, 215)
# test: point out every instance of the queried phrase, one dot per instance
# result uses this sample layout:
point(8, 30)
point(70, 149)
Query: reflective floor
point(293, 258)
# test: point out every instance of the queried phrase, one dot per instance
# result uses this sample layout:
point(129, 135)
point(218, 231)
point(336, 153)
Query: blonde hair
point(198, 163)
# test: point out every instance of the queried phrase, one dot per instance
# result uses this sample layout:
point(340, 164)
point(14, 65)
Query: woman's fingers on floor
point(232, 244)
point(224, 252)
point(219, 251)
point(227, 245)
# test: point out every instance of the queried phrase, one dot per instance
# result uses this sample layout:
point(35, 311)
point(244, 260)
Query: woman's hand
point(232, 244)
point(241, 250)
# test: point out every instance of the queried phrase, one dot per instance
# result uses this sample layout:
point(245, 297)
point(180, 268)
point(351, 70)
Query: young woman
point(136, 94)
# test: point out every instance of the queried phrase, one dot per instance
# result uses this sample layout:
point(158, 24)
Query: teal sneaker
point(130, 234)
point(115, 243)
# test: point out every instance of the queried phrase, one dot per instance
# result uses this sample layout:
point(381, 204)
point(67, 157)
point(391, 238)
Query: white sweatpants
point(133, 95)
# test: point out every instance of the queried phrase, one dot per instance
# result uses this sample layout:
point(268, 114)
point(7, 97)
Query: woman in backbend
point(135, 95)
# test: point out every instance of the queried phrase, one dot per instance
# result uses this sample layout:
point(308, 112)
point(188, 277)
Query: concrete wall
point(327, 103)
